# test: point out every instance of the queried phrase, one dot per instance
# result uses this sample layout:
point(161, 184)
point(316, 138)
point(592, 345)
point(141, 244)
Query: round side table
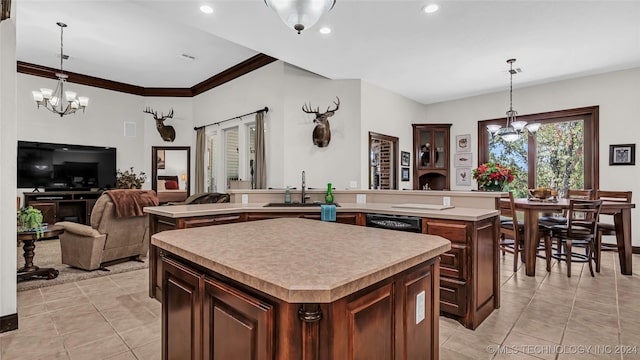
point(29, 238)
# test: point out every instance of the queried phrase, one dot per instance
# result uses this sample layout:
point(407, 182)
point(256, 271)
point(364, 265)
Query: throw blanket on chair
point(129, 203)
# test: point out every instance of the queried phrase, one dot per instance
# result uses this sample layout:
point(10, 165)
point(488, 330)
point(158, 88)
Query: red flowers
point(492, 174)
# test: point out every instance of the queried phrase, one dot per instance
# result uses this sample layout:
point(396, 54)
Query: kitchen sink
point(297, 204)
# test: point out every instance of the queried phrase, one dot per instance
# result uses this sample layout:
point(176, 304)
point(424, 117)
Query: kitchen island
point(469, 282)
point(294, 288)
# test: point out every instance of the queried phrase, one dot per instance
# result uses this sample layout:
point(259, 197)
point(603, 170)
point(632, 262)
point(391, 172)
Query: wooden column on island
point(299, 289)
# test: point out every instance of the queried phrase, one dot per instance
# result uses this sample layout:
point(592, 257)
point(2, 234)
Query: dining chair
point(581, 229)
point(553, 219)
point(605, 228)
point(512, 233)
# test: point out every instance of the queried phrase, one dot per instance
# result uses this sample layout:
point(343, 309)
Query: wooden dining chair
point(550, 220)
point(605, 228)
point(512, 233)
point(581, 229)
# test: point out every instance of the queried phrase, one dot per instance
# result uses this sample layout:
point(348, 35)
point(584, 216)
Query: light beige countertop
point(455, 213)
point(301, 260)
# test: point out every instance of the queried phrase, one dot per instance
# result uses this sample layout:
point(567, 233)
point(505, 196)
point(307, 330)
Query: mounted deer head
point(167, 132)
point(322, 131)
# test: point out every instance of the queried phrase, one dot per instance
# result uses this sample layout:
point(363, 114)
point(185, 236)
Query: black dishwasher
point(395, 222)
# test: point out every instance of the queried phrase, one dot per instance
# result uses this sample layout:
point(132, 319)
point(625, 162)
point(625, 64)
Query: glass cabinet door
point(425, 159)
point(439, 149)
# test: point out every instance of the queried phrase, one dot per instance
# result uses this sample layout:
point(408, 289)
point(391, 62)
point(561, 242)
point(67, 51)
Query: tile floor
point(112, 318)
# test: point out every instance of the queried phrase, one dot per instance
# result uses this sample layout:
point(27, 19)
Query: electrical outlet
point(420, 307)
point(446, 201)
point(245, 199)
point(361, 198)
point(353, 184)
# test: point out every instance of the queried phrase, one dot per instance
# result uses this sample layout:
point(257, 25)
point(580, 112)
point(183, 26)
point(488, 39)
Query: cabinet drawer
point(217, 220)
point(453, 296)
point(453, 263)
point(453, 231)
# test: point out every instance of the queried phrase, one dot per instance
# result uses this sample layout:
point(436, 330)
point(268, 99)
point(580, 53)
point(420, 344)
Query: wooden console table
point(29, 238)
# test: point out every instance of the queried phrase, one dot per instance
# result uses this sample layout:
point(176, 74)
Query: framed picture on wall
point(405, 174)
point(463, 176)
point(405, 158)
point(623, 154)
point(463, 159)
point(463, 143)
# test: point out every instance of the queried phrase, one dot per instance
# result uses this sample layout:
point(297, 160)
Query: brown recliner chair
point(108, 238)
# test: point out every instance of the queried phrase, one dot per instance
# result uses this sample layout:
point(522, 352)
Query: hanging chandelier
point(300, 14)
point(514, 127)
point(60, 101)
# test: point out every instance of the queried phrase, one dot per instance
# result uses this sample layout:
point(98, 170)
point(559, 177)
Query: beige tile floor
point(112, 318)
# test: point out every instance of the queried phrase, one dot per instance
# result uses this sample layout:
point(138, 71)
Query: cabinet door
point(440, 139)
point(426, 145)
point(181, 312)
point(48, 209)
point(236, 325)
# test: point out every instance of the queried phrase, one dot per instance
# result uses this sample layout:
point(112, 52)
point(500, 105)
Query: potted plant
point(30, 219)
point(492, 176)
point(129, 180)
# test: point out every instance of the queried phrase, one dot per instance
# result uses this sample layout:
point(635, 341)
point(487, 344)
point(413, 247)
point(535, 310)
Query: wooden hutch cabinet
point(431, 156)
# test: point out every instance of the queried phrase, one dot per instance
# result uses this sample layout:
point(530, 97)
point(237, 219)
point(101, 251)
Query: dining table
point(531, 208)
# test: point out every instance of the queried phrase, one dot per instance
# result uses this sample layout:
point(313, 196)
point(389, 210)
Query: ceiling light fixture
point(514, 128)
point(431, 8)
point(53, 100)
point(206, 9)
point(300, 14)
point(325, 30)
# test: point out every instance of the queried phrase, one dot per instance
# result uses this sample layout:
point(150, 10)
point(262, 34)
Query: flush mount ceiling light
point(206, 9)
point(325, 30)
point(431, 8)
point(53, 100)
point(300, 14)
point(514, 128)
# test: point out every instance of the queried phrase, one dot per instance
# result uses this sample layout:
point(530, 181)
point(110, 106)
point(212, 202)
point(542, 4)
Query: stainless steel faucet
point(303, 196)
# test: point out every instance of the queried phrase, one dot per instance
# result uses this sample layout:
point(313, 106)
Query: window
point(251, 154)
point(230, 156)
point(562, 154)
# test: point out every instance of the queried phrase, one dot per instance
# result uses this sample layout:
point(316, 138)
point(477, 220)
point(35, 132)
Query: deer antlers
point(148, 110)
point(307, 108)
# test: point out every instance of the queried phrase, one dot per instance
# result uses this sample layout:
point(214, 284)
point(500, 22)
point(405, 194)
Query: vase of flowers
point(30, 219)
point(492, 176)
point(129, 180)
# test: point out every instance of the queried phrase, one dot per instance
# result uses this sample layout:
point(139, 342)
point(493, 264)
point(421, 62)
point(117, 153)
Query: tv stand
point(57, 206)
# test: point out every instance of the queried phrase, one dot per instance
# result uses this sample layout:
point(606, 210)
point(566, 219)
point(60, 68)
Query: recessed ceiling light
point(206, 9)
point(324, 30)
point(431, 8)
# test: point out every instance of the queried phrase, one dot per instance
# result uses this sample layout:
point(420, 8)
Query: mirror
point(171, 172)
point(383, 160)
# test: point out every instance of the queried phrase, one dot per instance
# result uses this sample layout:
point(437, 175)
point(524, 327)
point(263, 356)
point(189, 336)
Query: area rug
point(47, 254)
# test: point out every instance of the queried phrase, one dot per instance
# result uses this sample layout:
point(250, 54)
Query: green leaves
point(30, 219)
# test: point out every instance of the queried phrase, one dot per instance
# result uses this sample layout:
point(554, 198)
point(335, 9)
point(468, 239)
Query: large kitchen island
point(294, 288)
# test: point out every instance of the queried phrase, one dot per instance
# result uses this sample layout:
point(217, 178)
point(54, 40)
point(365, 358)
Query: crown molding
point(227, 75)
point(5, 10)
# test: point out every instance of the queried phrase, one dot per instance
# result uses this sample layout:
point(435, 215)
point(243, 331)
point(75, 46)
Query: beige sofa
point(108, 238)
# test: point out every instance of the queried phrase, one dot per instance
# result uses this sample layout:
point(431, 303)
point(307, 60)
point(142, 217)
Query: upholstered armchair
point(114, 234)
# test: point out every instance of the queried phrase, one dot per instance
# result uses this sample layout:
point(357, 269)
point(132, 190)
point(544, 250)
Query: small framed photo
point(405, 158)
point(623, 154)
point(405, 174)
point(463, 176)
point(463, 159)
point(463, 143)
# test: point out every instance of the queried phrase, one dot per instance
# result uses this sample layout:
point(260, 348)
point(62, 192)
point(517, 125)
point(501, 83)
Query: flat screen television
point(65, 167)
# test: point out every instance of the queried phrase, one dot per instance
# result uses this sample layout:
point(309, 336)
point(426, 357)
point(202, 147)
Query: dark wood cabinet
point(470, 271)
point(208, 316)
point(431, 156)
point(75, 206)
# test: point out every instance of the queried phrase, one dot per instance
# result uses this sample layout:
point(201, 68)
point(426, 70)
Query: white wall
point(616, 93)
point(8, 169)
point(388, 113)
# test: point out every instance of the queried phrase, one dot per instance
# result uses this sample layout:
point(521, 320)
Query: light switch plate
point(420, 307)
point(361, 198)
point(446, 201)
point(245, 199)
